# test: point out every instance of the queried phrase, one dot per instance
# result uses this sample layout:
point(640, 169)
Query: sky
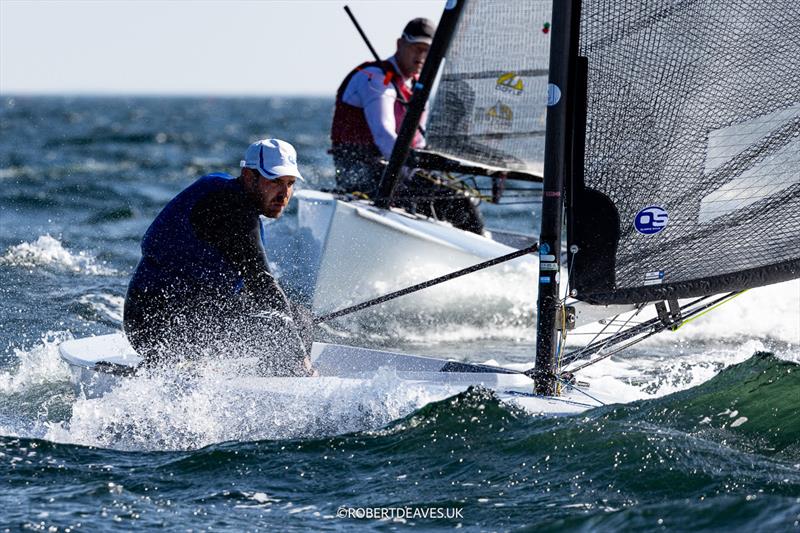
point(238, 47)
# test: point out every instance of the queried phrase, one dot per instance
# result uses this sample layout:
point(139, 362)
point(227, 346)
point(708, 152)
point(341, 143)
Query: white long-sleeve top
point(369, 89)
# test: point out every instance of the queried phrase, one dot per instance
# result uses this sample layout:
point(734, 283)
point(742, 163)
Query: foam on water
point(34, 388)
point(170, 410)
point(165, 411)
point(47, 251)
point(655, 376)
point(39, 365)
point(103, 307)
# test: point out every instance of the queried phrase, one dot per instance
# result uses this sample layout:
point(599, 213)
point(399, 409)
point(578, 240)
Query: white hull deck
point(355, 251)
point(98, 364)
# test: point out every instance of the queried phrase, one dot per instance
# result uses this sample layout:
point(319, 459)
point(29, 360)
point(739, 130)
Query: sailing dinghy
point(487, 119)
point(672, 152)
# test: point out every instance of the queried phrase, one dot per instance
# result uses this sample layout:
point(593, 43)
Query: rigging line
point(656, 326)
point(684, 322)
point(534, 192)
point(425, 284)
point(538, 196)
point(575, 387)
point(607, 341)
point(562, 338)
point(595, 333)
point(628, 321)
point(569, 274)
point(447, 181)
point(623, 323)
point(597, 336)
point(691, 314)
point(602, 331)
point(609, 354)
point(463, 178)
point(615, 322)
point(445, 197)
point(621, 327)
point(617, 338)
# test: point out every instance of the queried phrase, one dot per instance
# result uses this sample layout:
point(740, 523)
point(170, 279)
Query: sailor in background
point(203, 286)
point(367, 118)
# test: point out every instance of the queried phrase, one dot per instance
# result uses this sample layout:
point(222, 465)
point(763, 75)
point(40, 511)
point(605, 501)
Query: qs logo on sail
point(510, 83)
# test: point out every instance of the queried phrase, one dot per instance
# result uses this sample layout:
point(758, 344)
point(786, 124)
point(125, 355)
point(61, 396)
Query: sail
point(690, 183)
point(489, 109)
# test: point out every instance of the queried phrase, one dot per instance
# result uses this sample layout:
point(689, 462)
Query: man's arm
point(229, 224)
point(225, 221)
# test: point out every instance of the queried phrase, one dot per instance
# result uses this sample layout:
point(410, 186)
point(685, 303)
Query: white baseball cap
point(272, 158)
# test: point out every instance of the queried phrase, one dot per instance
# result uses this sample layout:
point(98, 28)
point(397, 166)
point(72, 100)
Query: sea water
point(710, 440)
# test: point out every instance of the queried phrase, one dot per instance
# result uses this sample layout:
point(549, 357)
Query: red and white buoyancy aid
point(349, 122)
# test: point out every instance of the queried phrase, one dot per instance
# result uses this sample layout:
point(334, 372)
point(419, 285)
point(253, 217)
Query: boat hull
point(353, 251)
point(99, 364)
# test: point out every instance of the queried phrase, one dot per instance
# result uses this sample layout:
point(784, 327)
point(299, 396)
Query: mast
point(422, 89)
point(558, 147)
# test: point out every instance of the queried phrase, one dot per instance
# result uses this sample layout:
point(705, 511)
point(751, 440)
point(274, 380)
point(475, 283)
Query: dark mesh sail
point(692, 165)
point(489, 107)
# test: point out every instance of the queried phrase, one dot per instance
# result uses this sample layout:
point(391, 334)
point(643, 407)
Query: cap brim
point(415, 40)
point(276, 172)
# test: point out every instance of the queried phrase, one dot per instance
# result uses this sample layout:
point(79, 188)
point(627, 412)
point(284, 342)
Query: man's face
point(271, 196)
point(411, 56)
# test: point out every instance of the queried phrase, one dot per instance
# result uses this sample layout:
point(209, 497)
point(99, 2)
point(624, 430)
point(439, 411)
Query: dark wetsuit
point(203, 285)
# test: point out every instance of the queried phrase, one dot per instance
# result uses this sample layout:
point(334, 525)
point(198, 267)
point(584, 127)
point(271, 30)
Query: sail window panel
point(490, 103)
point(767, 179)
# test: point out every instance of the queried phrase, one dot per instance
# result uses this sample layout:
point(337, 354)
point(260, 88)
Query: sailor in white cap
point(203, 284)
point(269, 172)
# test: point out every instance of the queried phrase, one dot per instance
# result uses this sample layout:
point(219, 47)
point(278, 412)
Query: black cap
point(419, 30)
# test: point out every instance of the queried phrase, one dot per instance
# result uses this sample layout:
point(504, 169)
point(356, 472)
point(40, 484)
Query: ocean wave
point(751, 405)
point(15, 172)
point(47, 251)
point(171, 410)
point(656, 462)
